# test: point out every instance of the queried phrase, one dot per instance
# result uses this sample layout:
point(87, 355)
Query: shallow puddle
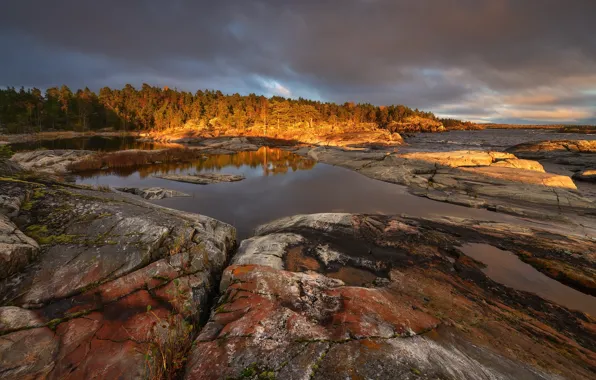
point(506, 268)
point(297, 261)
point(353, 276)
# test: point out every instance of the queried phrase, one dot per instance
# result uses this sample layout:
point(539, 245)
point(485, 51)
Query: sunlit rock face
point(481, 179)
point(586, 175)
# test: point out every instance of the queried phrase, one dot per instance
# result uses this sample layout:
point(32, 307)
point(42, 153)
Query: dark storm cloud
point(486, 56)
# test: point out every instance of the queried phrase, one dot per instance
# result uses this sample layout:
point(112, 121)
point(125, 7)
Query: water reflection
point(263, 162)
point(506, 268)
point(278, 184)
point(96, 143)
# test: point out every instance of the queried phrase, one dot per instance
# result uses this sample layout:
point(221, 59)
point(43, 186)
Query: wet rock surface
point(421, 309)
point(152, 193)
point(113, 280)
point(202, 178)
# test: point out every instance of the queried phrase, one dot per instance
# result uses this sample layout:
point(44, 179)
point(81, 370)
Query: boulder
point(586, 175)
point(202, 178)
point(50, 161)
point(152, 193)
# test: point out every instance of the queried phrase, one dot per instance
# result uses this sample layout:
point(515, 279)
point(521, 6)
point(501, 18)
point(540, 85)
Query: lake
point(278, 183)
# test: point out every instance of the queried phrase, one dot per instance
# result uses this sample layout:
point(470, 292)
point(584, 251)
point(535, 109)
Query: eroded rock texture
point(152, 193)
point(335, 296)
point(202, 178)
point(107, 281)
point(50, 161)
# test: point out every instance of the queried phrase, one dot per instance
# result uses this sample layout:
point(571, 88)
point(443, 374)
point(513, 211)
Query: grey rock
point(50, 161)
point(105, 269)
point(16, 249)
point(152, 193)
point(501, 185)
point(202, 178)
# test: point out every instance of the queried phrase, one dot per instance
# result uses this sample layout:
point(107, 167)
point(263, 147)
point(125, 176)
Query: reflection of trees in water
point(273, 161)
point(96, 143)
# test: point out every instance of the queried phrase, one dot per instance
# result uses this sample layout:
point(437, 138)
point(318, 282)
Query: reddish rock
point(120, 282)
point(429, 313)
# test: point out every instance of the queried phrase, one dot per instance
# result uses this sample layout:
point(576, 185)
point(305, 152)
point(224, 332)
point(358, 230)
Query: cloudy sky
point(482, 60)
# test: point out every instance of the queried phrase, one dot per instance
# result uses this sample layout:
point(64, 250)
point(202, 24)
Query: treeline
point(151, 108)
point(458, 124)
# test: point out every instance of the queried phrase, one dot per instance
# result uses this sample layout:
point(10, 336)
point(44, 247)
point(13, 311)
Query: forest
point(153, 108)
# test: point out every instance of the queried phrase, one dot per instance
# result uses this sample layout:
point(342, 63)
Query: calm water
point(487, 139)
point(278, 184)
point(506, 268)
point(97, 143)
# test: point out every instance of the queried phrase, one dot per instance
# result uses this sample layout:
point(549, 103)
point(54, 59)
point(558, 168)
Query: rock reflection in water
point(507, 269)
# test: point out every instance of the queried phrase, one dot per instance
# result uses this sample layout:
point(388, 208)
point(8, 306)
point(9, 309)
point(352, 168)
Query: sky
point(521, 61)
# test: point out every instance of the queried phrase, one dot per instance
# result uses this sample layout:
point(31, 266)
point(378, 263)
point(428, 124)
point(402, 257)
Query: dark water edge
point(95, 143)
point(487, 139)
point(507, 269)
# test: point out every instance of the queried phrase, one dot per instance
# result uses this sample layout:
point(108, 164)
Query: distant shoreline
point(559, 127)
point(58, 135)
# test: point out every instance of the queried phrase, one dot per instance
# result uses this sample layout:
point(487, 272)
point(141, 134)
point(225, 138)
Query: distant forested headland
point(153, 108)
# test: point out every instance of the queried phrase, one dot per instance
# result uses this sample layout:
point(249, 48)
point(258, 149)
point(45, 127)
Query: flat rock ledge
point(50, 161)
point(492, 180)
point(95, 285)
point(573, 155)
point(202, 178)
point(152, 193)
point(586, 175)
point(543, 147)
point(336, 296)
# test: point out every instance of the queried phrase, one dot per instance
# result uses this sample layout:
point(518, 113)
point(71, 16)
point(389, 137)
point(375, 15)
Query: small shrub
point(167, 355)
point(5, 152)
